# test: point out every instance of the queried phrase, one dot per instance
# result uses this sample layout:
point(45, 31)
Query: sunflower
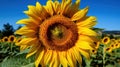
point(109, 49)
point(118, 40)
point(22, 47)
point(97, 44)
point(112, 45)
point(113, 40)
point(106, 40)
point(5, 39)
point(58, 33)
point(116, 44)
point(11, 38)
point(93, 51)
point(18, 39)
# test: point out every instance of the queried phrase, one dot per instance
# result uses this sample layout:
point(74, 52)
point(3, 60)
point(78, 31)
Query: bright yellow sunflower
point(59, 33)
point(11, 38)
point(109, 49)
point(105, 40)
point(5, 39)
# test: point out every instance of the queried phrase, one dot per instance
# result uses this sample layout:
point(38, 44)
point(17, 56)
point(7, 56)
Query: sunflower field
point(106, 54)
point(58, 34)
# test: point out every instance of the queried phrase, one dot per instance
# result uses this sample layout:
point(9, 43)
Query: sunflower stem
point(104, 55)
point(11, 45)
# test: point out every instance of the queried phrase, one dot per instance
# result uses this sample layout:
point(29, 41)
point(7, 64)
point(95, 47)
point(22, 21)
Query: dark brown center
point(12, 39)
point(105, 40)
point(58, 33)
point(6, 39)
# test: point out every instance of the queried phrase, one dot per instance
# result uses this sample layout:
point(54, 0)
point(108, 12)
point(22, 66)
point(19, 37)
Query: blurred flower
point(11, 38)
point(109, 49)
point(94, 51)
point(116, 44)
point(59, 33)
point(112, 45)
point(5, 39)
point(97, 44)
point(18, 39)
point(105, 40)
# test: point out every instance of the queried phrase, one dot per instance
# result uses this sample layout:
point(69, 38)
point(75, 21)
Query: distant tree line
point(7, 30)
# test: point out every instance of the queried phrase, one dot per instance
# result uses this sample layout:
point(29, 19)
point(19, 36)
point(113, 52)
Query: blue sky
point(106, 11)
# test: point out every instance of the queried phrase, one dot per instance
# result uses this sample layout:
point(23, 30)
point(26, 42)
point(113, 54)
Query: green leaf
point(29, 65)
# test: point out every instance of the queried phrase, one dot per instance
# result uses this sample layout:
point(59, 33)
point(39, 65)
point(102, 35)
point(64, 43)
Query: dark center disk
point(12, 39)
point(6, 39)
point(105, 40)
point(58, 33)
point(108, 49)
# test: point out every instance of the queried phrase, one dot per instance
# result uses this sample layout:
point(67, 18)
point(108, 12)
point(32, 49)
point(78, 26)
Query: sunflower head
point(5, 39)
point(117, 45)
point(106, 40)
point(57, 31)
point(18, 39)
point(108, 49)
point(97, 44)
point(93, 51)
point(11, 38)
point(112, 45)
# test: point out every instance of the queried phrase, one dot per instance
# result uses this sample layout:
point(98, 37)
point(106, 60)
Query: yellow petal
point(52, 62)
point(26, 31)
point(73, 57)
point(49, 7)
point(32, 15)
point(64, 6)
point(33, 9)
point(28, 22)
point(85, 53)
point(80, 14)
point(48, 56)
point(83, 44)
point(86, 38)
point(56, 64)
point(39, 6)
point(86, 31)
point(70, 59)
point(77, 55)
point(55, 60)
point(63, 59)
point(33, 50)
point(27, 41)
point(39, 57)
point(41, 11)
point(23, 47)
point(88, 22)
point(73, 9)
point(77, 3)
point(56, 6)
